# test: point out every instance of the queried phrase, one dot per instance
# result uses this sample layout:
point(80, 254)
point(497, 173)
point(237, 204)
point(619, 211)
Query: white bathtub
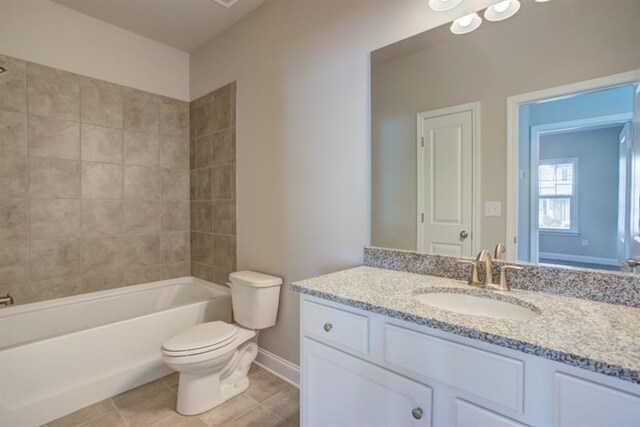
point(59, 356)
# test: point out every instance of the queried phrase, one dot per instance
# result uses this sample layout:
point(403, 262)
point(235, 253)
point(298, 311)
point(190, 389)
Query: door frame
point(553, 128)
point(513, 119)
point(474, 108)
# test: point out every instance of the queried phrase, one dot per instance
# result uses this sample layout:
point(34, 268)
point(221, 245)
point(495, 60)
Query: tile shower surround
point(94, 184)
point(213, 178)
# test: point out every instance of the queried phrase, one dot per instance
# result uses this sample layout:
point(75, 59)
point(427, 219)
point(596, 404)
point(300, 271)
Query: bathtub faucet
point(7, 300)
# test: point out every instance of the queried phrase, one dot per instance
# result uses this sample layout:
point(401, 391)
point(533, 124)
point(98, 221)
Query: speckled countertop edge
point(348, 287)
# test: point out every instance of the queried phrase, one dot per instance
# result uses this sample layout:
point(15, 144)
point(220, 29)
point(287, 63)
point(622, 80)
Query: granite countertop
point(600, 337)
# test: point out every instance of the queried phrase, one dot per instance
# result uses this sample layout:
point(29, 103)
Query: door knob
point(464, 234)
point(327, 327)
point(417, 413)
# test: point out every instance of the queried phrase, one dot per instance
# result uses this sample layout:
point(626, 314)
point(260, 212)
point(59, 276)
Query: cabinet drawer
point(581, 403)
point(492, 377)
point(336, 327)
point(469, 415)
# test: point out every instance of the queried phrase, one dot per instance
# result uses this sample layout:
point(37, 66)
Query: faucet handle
point(473, 277)
point(499, 250)
point(503, 284)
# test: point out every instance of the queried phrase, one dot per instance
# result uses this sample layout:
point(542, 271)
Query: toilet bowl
point(214, 358)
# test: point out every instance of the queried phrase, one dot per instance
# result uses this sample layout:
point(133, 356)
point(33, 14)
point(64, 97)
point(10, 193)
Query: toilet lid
point(208, 335)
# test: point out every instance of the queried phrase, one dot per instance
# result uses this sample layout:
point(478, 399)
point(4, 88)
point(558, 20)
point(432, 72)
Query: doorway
point(447, 174)
point(575, 178)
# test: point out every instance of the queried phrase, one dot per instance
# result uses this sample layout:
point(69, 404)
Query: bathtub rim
point(97, 295)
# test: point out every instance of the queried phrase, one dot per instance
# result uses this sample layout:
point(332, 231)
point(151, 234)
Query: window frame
point(574, 205)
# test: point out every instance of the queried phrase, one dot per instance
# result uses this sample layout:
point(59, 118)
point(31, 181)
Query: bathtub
point(61, 355)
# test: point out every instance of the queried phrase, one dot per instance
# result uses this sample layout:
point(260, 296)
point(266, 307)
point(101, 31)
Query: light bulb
point(442, 5)
point(466, 24)
point(502, 6)
point(465, 21)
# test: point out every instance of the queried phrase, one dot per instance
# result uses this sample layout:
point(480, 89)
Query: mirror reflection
point(520, 132)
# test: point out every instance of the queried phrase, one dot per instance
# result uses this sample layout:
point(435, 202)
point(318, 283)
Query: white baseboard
point(578, 258)
point(278, 366)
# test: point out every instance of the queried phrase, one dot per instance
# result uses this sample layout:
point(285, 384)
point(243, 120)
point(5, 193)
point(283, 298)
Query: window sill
point(559, 233)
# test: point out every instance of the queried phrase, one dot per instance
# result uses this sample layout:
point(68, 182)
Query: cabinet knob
point(327, 327)
point(417, 413)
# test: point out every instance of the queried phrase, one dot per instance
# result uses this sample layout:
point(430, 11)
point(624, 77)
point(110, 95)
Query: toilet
point(213, 358)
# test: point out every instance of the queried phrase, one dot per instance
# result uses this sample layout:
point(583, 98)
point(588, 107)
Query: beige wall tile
point(192, 154)
point(102, 281)
point(203, 216)
point(54, 138)
point(102, 254)
point(232, 145)
point(146, 274)
point(192, 184)
point(232, 217)
point(14, 263)
point(54, 178)
point(43, 73)
point(13, 176)
point(13, 220)
point(203, 252)
point(222, 112)
point(57, 99)
point(204, 272)
point(174, 152)
point(54, 258)
point(13, 133)
point(141, 148)
point(201, 120)
point(174, 246)
point(175, 216)
point(221, 216)
point(54, 218)
point(101, 106)
point(141, 182)
point(204, 151)
point(142, 249)
point(203, 184)
point(221, 142)
point(220, 182)
point(141, 216)
point(174, 184)
point(42, 290)
point(101, 144)
point(174, 117)
point(224, 252)
point(178, 269)
point(221, 275)
point(232, 181)
point(142, 112)
point(13, 85)
point(102, 217)
point(101, 180)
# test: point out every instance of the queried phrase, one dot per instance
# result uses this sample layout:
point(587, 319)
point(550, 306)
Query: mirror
point(522, 132)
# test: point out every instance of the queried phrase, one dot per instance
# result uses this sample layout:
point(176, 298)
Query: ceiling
point(183, 24)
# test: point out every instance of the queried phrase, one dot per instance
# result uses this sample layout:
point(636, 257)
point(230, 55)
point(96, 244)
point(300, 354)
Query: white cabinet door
point(469, 415)
point(342, 390)
point(581, 403)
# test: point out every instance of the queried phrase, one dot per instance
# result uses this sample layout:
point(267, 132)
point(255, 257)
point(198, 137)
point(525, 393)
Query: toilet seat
point(201, 338)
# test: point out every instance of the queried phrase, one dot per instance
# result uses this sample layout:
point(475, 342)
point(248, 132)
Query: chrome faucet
point(7, 300)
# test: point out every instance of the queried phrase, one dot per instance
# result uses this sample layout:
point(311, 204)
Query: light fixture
point(466, 24)
point(502, 10)
point(442, 5)
point(226, 3)
point(541, 1)
point(2, 69)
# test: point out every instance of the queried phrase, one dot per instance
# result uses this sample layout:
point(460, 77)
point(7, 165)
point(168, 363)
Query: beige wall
point(544, 45)
point(48, 33)
point(302, 72)
point(94, 184)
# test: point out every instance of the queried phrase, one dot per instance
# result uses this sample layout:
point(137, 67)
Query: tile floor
point(269, 402)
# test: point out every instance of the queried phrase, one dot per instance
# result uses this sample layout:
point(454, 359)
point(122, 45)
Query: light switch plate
point(493, 208)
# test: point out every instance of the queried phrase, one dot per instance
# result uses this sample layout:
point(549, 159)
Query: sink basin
point(476, 305)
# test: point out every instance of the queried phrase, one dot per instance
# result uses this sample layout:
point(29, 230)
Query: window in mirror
point(557, 206)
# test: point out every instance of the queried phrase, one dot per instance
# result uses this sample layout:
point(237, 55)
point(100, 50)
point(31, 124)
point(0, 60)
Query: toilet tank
point(255, 298)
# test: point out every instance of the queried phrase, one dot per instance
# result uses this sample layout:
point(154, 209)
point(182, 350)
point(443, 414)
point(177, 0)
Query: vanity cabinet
point(364, 369)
